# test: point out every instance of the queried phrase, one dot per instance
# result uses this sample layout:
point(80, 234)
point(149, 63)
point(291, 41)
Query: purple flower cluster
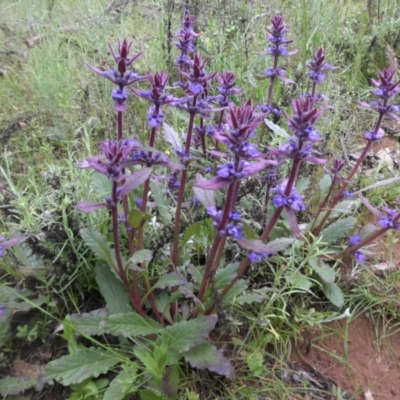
point(386, 219)
point(359, 255)
point(232, 228)
point(317, 67)
point(276, 36)
point(115, 154)
point(257, 257)
point(385, 88)
point(186, 43)
point(293, 200)
point(121, 76)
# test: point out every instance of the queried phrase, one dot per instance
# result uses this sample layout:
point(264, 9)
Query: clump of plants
point(162, 305)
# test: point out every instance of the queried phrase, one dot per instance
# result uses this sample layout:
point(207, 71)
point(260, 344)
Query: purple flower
point(348, 194)
point(154, 118)
point(115, 153)
point(386, 220)
point(2, 309)
point(304, 117)
point(292, 149)
point(232, 230)
point(197, 77)
point(385, 87)
point(227, 81)
point(373, 136)
point(268, 109)
point(359, 255)
point(292, 202)
point(234, 215)
point(139, 203)
point(257, 257)
point(318, 67)
point(120, 76)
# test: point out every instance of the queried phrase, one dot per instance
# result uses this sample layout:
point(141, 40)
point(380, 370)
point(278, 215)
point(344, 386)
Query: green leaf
point(343, 208)
point(207, 356)
point(333, 293)
point(237, 289)
point(102, 184)
point(131, 324)
point(302, 184)
point(248, 231)
point(338, 230)
point(184, 335)
point(324, 271)
point(91, 325)
point(171, 136)
point(113, 290)
point(147, 394)
point(123, 384)
point(141, 256)
point(192, 230)
point(367, 230)
point(277, 129)
point(98, 244)
point(84, 364)
point(170, 280)
point(249, 298)
point(136, 217)
point(161, 201)
point(146, 358)
point(170, 381)
point(12, 386)
point(325, 183)
point(226, 275)
point(298, 280)
point(280, 244)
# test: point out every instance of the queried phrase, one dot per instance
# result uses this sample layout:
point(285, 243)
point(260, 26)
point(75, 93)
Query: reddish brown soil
point(371, 364)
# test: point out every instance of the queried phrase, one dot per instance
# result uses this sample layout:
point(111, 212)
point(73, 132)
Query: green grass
point(55, 112)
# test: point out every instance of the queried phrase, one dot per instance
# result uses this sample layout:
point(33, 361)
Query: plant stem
point(133, 294)
point(346, 182)
point(215, 252)
point(181, 194)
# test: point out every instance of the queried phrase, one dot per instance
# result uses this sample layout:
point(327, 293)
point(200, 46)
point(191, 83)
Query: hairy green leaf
point(249, 298)
point(279, 244)
point(141, 256)
point(84, 364)
point(324, 271)
point(12, 386)
point(123, 384)
point(131, 324)
point(98, 244)
point(161, 201)
point(302, 184)
point(170, 380)
point(325, 183)
point(184, 335)
point(333, 293)
point(338, 230)
point(170, 280)
point(225, 276)
point(112, 289)
point(207, 356)
point(192, 230)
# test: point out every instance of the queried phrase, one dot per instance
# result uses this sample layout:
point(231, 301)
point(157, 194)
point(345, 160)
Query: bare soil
point(356, 360)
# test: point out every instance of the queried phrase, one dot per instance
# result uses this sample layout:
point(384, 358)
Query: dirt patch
point(356, 359)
